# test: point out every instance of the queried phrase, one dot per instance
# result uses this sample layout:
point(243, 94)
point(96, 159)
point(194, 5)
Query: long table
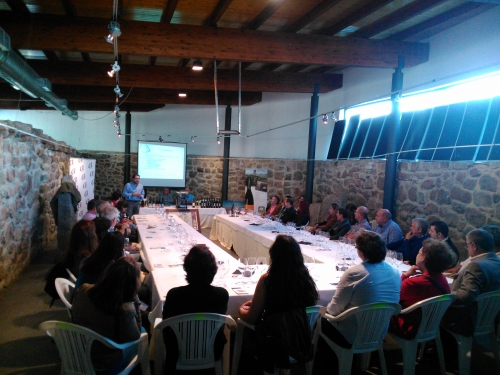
point(206, 214)
point(160, 254)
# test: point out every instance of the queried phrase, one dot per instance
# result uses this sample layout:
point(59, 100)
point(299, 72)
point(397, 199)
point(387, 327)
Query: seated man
point(330, 220)
point(361, 216)
point(438, 230)
point(289, 213)
point(189, 196)
point(388, 229)
point(482, 275)
point(343, 226)
point(412, 243)
point(167, 197)
point(91, 213)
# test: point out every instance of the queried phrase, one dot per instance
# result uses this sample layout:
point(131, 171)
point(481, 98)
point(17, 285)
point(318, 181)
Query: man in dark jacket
point(343, 226)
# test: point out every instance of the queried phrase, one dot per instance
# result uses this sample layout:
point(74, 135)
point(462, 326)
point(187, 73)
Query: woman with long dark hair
point(109, 250)
point(285, 286)
point(108, 308)
point(82, 243)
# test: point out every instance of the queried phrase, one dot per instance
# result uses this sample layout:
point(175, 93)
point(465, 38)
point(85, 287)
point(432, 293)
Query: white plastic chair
point(488, 306)
point(433, 310)
point(74, 343)
point(314, 314)
point(195, 335)
point(65, 289)
point(372, 323)
point(71, 276)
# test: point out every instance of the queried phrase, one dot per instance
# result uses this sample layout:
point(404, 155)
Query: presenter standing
point(133, 192)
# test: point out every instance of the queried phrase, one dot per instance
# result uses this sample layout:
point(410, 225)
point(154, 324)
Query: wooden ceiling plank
point(218, 12)
point(51, 55)
point(395, 18)
point(174, 77)
point(47, 32)
point(86, 57)
point(310, 16)
point(17, 6)
point(152, 60)
point(168, 12)
point(264, 15)
point(441, 22)
point(69, 8)
point(353, 17)
point(76, 106)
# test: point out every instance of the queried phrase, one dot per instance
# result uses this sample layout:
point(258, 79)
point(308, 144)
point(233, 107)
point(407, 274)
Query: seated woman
point(109, 250)
point(197, 296)
point(108, 309)
point(82, 243)
point(432, 259)
point(330, 220)
point(286, 286)
point(303, 215)
point(371, 281)
point(274, 207)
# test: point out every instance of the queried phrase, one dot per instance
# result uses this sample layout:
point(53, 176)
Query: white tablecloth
point(206, 214)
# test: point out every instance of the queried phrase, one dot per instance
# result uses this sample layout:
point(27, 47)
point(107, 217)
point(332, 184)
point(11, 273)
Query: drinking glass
point(222, 270)
point(252, 267)
point(242, 265)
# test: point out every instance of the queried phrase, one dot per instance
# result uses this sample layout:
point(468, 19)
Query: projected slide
point(162, 164)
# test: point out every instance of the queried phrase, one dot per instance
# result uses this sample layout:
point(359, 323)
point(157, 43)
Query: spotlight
point(325, 119)
point(197, 65)
point(117, 109)
point(109, 39)
point(333, 117)
point(117, 91)
point(160, 139)
point(114, 29)
point(182, 94)
point(218, 141)
point(192, 139)
point(115, 68)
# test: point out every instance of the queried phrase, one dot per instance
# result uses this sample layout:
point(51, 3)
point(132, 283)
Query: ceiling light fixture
point(325, 119)
point(218, 141)
point(117, 91)
point(333, 117)
point(192, 139)
point(182, 94)
point(115, 68)
point(160, 138)
point(117, 109)
point(197, 65)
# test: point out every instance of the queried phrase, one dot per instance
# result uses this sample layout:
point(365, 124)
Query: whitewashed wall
point(472, 46)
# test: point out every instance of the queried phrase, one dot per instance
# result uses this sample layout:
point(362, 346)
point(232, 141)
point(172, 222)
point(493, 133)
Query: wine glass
point(252, 266)
point(222, 270)
point(242, 265)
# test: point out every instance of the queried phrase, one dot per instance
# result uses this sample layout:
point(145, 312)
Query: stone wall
point(465, 195)
point(30, 174)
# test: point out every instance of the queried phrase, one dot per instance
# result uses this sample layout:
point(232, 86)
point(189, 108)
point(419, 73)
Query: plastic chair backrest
point(433, 310)
point(314, 313)
point(195, 335)
point(65, 289)
point(372, 324)
point(488, 305)
point(71, 276)
point(74, 343)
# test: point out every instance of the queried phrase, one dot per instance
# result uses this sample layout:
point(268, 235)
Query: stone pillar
point(66, 219)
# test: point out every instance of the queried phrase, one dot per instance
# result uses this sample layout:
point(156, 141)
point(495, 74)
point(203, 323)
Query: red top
point(415, 289)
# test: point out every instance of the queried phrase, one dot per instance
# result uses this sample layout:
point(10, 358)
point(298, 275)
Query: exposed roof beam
point(17, 6)
point(218, 12)
point(93, 94)
point(51, 55)
point(441, 22)
point(77, 106)
point(168, 12)
point(68, 73)
point(395, 18)
point(353, 17)
point(69, 8)
point(264, 15)
point(150, 39)
point(310, 16)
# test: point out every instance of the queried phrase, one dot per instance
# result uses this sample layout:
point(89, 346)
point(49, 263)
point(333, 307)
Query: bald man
point(386, 227)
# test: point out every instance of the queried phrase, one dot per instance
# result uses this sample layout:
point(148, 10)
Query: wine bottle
point(249, 195)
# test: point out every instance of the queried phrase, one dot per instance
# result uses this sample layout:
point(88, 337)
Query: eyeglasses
point(468, 243)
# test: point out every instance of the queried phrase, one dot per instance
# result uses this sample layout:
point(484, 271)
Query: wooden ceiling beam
point(218, 12)
point(56, 33)
point(352, 18)
point(395, 18)
point(93, 94)
point(17, 6)
point(39, 105)
point(310, 16)
point(168, 12)
point(441, 22)
point(264, 15)
point(68, 73)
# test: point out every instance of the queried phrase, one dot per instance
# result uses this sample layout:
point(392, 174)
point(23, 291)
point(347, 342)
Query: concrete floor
point(24, 349)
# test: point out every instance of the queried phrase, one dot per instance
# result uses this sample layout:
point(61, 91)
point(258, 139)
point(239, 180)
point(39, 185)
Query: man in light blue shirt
point(133, 192)
point(388, 229)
